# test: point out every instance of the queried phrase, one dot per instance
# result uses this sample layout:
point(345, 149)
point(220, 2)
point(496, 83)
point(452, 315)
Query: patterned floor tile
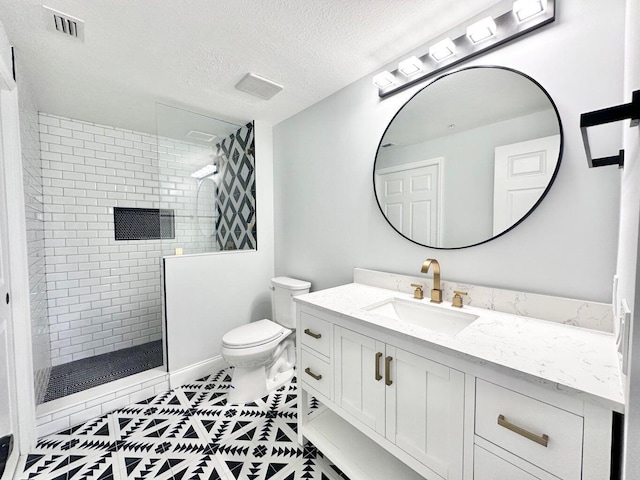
point(189, 433)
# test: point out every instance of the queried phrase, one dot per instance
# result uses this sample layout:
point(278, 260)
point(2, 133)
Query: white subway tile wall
point(104, 294)
point(34, 213)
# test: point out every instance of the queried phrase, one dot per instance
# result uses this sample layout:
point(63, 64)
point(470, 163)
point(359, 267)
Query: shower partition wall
point(104, 205)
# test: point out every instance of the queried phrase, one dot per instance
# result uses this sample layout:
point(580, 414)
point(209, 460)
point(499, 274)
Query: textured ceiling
point(191, 53)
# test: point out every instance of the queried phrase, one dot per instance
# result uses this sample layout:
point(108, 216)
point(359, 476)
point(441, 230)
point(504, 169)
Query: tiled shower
point(104, 295)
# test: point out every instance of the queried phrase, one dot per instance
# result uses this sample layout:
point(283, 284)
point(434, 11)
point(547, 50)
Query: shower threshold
point(80, 375)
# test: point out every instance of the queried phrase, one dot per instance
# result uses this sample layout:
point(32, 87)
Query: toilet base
point(253, 382)
point(250, 383)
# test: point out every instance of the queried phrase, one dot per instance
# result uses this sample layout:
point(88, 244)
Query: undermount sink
point(423, 315)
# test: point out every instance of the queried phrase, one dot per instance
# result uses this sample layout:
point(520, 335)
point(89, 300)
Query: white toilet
point(263, 352)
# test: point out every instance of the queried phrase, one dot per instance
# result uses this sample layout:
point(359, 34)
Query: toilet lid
point(253, 334)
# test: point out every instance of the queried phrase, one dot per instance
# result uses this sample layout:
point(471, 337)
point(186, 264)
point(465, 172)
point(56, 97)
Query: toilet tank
point(283, 308)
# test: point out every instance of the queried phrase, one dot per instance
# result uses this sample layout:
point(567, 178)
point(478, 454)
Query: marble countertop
point(571, 359)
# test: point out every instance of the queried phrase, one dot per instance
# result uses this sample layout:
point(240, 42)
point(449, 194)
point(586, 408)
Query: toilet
point(263, 352)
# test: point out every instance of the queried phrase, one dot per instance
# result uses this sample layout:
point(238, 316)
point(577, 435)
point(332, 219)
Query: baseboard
point(196, 371)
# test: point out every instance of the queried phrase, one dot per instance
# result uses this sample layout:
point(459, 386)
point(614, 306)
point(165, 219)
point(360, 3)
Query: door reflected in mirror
point(468, 157)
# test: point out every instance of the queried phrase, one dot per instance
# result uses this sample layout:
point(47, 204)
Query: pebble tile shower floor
point(188, 433)
point(90, 372)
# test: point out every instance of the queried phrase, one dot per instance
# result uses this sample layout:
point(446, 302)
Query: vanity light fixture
point(384, 79)
point(205, 171)
point(497, 25)
point(442, 50)
point(482, 30)
point(525, 9)
point(410, 66)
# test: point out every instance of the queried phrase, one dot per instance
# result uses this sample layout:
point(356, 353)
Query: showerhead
point(205, 171)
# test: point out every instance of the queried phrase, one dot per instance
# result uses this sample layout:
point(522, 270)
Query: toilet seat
point(254, 334)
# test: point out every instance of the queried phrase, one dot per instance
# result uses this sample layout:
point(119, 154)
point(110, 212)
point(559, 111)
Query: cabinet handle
point(540, 439)
point(387, 371)
point(313, 375)
point(378, 357)
point(311, 334)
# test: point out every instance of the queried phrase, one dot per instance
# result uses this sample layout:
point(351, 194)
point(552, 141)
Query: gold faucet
point(436, 291)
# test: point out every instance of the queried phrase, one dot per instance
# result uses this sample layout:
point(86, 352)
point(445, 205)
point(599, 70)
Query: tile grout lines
point(189, 433)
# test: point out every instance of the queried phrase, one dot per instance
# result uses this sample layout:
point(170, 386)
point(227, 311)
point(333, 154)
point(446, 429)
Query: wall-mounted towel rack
point(609, 115)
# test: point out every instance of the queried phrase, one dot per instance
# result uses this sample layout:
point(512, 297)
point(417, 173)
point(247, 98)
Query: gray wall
point(327, 219)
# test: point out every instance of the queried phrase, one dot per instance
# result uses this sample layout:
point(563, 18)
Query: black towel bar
point(608, 115)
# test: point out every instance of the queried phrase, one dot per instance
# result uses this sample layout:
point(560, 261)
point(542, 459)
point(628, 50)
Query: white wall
point(208, 295)
point(19, 332)
point(327, 219)
point(629, 245)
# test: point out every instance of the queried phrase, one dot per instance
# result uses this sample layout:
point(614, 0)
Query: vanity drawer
point(316, 333)
point(487, 466)
point(521, 425)
point(316, 373)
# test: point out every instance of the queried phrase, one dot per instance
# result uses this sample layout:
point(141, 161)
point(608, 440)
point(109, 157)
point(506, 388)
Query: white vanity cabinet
point(415, 403)
point(396, 408)
point(314, 353)
point(378, 395)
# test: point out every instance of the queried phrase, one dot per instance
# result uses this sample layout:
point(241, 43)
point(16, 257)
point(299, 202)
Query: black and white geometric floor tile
point(189, 433)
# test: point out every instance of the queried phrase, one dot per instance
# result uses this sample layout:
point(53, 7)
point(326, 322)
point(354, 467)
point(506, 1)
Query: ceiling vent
point(201, 136)
point(62, 23)
point(258, 86)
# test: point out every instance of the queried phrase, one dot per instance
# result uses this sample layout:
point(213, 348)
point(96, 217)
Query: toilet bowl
point(263, 352)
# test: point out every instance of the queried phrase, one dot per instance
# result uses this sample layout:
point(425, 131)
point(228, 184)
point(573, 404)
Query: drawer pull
point(311, 334)
point(387, 371)
point(540, 439)
point(378, 357)
point(313, 375)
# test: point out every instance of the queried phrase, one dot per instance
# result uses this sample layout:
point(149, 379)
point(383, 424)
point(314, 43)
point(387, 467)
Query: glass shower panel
point(35, 227)
point(207, 182)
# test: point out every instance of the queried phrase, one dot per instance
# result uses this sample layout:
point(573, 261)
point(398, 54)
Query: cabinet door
point(425, 411)
point(358, 390)
point(487, 466)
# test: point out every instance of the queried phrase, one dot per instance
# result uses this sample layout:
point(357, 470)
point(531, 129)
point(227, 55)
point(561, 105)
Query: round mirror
point(468, 157)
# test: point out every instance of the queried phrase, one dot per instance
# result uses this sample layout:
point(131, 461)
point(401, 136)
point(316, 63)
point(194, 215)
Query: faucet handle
point(418, 291)
point(457, 299)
